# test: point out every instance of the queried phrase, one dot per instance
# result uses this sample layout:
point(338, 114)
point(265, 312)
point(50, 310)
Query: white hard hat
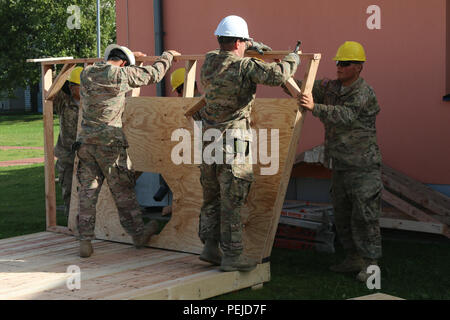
point(125, 50)
point(233, 26)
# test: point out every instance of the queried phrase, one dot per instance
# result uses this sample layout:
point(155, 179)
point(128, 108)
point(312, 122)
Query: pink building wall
point(406, 61)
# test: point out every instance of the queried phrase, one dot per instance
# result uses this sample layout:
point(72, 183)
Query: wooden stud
point(49, 156)
point(270, 55)
point(189, 79)
point(416, 191)
point(307, 85)
point(406, 207)
point(195, 107)
point(418, 226)
point(50, 60)
point(59, 81)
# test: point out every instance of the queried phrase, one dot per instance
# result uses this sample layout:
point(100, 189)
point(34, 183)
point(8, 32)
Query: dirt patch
point(21, 162)
point(18, 148)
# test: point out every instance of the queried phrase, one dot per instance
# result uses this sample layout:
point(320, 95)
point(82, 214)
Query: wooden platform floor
point(35, 267)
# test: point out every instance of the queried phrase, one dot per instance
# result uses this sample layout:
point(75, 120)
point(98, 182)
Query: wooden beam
point(418, 226)
point(49, 156)
point(49, 60)
point(196, 107)
point(406, 207)
point(60, 229)
point(416, 191)
point(271, 55)
point(210, 285)
point(60, 80)
point(293, 88)
point(411, 210)
point(189, 79)
point(307, 85)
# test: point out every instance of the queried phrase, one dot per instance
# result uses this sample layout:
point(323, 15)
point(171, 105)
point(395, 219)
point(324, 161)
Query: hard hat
point(125, 50)
point(177, 78)
point(74, 76)
point(233, 26)
point(350, 51)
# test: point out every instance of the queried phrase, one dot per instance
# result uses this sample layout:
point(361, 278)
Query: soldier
point(102, 145)
point(66, 105)
point(348, 109)
point(229, 81)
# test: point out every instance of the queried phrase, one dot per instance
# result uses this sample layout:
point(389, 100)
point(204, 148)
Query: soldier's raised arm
point(272, 74)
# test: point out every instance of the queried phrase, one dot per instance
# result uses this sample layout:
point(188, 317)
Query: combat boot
point(86, 248)
point(150, 229)
point(363, 275)
point(352, 263)
point(211, 252)
point(237, 263)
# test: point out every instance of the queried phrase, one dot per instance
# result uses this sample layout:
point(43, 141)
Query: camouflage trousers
point(223, 196)
point(96, 164)
point(356, 196)
point(64, 165)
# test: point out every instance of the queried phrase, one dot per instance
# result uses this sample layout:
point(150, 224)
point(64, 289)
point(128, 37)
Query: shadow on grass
point(18, 118)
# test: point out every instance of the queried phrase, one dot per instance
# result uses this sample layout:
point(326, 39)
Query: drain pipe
point(159, 44)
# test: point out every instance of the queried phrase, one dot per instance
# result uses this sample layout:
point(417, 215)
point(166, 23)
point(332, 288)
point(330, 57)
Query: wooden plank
point(59, 81)
point(293, 88)
point(34, 236)
point(271, 55)
point(412, 210)
point(428, 227)
point(406, 207)
point(206, 285)
point(416, 191)
point(307, 85)
point(191, 110)
point(49, 59)
point(189, 79)
point(60, 229)
point(377, 296)
point(50, 196)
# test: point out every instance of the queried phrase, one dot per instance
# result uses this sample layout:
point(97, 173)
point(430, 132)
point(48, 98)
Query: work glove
point(259, 47)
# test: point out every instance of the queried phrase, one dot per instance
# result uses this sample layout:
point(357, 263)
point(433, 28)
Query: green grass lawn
point(414, 266)
point(24, 130)
point(7, 155)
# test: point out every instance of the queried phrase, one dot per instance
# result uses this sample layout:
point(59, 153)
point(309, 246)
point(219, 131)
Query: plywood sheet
point(148, 125)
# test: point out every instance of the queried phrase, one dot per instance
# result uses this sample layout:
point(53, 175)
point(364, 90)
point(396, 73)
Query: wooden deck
point(35, 267)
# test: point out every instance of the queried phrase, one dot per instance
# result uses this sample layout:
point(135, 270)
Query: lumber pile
point(422, 208)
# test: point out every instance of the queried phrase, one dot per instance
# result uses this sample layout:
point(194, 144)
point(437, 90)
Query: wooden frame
point(149, 149)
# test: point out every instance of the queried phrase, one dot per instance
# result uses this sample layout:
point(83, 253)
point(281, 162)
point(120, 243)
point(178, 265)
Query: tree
point(45, 28)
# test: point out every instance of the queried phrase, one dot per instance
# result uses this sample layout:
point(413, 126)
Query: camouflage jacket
point(229, 83)
point(67, 109)
point(349, 115)
point(103, 88)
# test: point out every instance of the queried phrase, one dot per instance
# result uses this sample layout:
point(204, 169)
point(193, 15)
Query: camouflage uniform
point(103, 151)
point(67, 109)
point(351, 149)
point(230, 83)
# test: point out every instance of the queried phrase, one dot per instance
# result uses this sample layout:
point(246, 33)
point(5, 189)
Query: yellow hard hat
point(75, 75)
point(177, 78)
point(350, 51)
